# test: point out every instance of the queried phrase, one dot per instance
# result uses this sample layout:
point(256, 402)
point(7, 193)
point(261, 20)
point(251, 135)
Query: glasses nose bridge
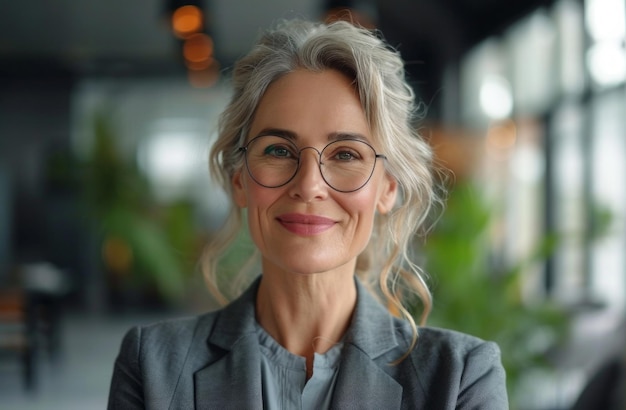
point(319, 154)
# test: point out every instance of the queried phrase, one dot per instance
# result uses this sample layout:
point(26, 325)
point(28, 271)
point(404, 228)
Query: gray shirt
point(283, 376)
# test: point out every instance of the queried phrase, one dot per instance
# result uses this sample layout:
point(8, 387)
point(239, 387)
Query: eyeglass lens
point(346, 165)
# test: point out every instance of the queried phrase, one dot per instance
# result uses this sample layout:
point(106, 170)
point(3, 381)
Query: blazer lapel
point(234, 381)
point(361, 384)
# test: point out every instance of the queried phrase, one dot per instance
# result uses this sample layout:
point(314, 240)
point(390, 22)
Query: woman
point(318, 147)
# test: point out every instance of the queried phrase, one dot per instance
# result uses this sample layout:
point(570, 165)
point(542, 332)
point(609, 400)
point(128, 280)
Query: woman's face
point(305, 226)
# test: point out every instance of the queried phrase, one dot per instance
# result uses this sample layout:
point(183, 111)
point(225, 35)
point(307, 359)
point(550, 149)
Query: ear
point(388, 195)
point(239, 191)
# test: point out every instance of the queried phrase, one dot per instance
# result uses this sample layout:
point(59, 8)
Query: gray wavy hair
point(389, 105)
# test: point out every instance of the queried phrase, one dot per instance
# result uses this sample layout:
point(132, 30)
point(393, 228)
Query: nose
point(308, 184)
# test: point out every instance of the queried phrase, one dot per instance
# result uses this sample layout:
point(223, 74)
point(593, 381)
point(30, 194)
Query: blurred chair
point(46, 286)
point(17, 332)
point(30, 317)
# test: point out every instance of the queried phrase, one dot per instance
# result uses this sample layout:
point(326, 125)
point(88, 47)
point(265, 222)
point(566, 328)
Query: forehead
point(311, 105)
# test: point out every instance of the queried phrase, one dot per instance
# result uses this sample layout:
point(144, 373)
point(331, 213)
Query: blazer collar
point(235, 378)
point(372, 329)
point(237, 320)
point(361, 382)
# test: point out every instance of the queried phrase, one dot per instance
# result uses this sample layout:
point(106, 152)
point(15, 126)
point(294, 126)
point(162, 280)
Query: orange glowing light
point(186, 20)
point(502, 135)
point(501, 138)
point(198, 48)
point(117, 255)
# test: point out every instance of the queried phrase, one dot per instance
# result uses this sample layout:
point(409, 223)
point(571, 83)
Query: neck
point(306, 314)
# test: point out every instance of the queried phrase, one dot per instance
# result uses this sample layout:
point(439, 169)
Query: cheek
point(362, 207)
point(248, 194)
point(259, 197)
point(359, 234)
point(259, 219)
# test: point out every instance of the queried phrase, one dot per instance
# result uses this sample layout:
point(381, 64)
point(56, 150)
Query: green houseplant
point(474, 295)
point(149, 250)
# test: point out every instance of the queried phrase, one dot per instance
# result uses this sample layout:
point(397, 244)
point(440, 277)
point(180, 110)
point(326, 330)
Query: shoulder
point(456, 354)
point(450, 365)
point(453, 345)
point(178, 328)
point(169, 336)
point(152, 357)
point(438, 349)
point(166, 344)
point(175, 336)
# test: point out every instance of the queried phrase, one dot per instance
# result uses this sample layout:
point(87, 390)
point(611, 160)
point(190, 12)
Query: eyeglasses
point(346, 165)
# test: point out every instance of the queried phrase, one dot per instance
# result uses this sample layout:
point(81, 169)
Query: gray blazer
point(213, 362)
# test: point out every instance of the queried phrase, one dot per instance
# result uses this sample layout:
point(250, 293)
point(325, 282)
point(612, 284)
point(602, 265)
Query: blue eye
point(345, 156)
point(277, 151)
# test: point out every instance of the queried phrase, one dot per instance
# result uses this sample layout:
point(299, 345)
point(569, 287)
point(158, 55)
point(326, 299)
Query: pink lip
point(305, 225)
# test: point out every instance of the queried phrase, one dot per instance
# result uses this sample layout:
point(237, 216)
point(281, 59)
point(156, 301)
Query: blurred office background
point(107, 112)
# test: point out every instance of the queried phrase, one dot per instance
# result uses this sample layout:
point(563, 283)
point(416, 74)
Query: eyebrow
point(333, 136)
point(290, 135)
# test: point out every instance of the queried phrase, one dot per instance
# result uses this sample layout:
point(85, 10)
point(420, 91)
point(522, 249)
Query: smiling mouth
point(305, 225)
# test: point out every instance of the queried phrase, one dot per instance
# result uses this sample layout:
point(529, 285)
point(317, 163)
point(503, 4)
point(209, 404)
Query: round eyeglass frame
point(244, 150)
